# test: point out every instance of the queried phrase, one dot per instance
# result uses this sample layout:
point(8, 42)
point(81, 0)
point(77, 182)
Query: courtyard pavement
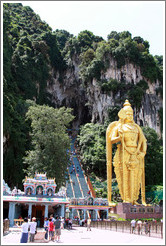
point(80, 236)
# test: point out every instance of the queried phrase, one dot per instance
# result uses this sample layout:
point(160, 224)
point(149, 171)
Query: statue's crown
point(126, 103)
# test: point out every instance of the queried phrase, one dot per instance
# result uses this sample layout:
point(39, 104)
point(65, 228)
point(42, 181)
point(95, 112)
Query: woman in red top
point(51, 229)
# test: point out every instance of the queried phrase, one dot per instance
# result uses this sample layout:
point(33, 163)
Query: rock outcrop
point(91, 104)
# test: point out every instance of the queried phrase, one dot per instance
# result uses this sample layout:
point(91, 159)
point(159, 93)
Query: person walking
point(70, 223)
point(57, 224)
point(33, 229)
point(51, 229)
point(46, 221)
point(139, 225)
point(133, 224)
point(62, 222)
point(24, 234)
point(146, 226)
point(89, 224)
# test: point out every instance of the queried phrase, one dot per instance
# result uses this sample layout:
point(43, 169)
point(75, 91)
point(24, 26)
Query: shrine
point(38, 200)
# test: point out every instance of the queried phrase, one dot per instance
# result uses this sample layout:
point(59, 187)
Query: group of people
point(29, 229)
point(68, 223)
point(53, 227)
point(139, 225)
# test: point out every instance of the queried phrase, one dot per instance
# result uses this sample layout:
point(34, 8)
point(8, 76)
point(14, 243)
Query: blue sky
point(140, 18)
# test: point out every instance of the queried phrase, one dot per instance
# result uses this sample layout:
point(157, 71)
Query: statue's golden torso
point(130, 132)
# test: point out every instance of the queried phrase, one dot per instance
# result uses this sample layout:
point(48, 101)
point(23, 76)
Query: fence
point(5, 226)
point(155, 229)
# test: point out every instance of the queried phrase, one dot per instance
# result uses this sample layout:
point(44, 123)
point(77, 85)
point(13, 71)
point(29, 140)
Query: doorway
point(38, 212)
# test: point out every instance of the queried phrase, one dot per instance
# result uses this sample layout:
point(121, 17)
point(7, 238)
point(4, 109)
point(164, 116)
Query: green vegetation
point(34, 55)
point(49, 140)
point(93, 151)
point(92, 141)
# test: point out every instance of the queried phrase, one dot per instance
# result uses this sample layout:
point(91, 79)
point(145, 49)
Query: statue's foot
point(112, 204)
point(136, 203)
point(145, 204)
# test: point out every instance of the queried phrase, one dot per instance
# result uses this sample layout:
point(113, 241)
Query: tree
point(153, 158)
point(49, 140)
point(62, 37)
point(92, 143)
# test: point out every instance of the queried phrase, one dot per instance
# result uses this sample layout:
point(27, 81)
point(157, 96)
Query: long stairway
point(76, 174)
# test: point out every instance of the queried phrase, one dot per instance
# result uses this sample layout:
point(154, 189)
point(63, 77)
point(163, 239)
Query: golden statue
point(129, 157)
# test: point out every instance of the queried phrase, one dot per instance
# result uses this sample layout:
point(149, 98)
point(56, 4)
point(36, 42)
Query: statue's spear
point(122, 116)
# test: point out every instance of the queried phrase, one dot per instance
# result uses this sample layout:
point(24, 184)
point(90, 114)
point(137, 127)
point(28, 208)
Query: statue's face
point(129, 116)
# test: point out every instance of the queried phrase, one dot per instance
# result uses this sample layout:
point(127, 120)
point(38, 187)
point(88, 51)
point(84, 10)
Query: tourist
point(133, 224)
point(57, 224)
point(62, 222)
point(24, 228)
point(146, 226)
point(67, 222)
point(70, 223)
point(33, 229)
point(52, 217)
point(139, 225)
point(89, 224)
point(51, 229)
point(46, 227)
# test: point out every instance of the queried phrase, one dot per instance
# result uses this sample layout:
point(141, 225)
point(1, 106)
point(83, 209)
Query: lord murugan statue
point(128, 160)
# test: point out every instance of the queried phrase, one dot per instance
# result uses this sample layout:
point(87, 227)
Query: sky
point(141, 18)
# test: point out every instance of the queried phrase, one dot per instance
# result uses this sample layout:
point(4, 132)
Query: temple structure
point(38, 199)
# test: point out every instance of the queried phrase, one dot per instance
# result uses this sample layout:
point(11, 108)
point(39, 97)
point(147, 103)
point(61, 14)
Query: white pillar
point(30, 210)
point(63, 210)
point(85, 213)
point(11, 213)
point(96, 213)
point(46, 210)
point(107, 214)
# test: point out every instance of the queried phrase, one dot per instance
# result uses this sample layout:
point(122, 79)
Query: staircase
point(76, 187)
point(77, 177)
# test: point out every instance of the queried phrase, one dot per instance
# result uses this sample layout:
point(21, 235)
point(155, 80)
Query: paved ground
point(80, 236)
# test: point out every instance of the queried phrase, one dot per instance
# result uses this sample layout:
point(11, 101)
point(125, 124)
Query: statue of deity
point(128, 160)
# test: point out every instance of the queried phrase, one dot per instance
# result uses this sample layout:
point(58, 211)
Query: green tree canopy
point(93, 153)
point(92, 144)
point(49, 140)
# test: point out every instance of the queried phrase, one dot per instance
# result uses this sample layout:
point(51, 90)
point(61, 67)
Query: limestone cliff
point(91, 104)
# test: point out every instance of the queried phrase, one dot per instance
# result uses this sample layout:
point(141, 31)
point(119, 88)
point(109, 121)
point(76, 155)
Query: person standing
point(139, 224)
point(57, 224)
point(46, 227)
point(62, 222)
point(24, 228)
point(133, 223)
point(51, 229)
point(146, 227)
point(70, 223)
point(89, 224)
point(33, 226)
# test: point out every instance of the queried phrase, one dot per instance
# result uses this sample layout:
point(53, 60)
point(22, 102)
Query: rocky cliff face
point(91, 104)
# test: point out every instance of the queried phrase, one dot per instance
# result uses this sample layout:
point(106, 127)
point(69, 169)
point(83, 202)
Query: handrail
point(78, 179)
point(84, 173)
point(71, 184)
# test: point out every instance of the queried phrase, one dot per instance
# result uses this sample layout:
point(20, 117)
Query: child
point(51, 229)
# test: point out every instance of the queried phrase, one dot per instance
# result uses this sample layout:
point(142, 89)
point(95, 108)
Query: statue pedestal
point(129, 211)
